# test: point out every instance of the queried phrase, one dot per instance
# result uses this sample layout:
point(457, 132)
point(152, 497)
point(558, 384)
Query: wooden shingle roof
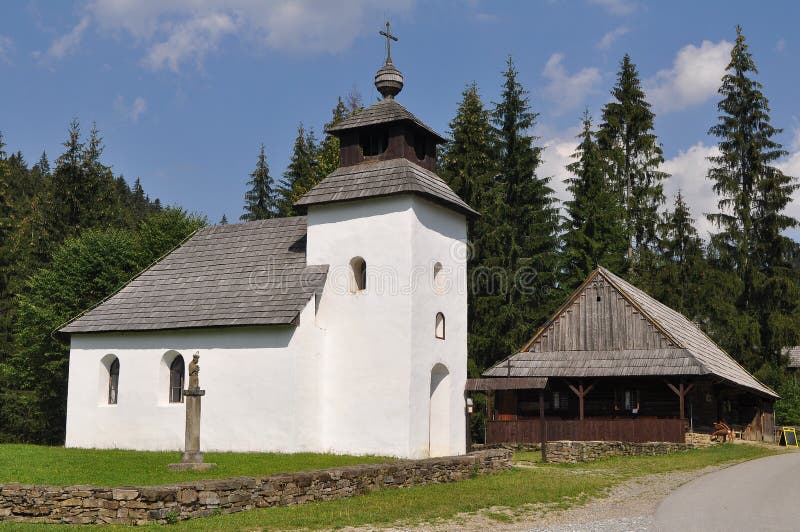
point(383, 112)
point(610, 328)
point(246, 274)
point(384, 178)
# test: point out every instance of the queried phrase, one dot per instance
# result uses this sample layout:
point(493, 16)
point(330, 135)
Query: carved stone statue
point(194, 373)
point(192, 458)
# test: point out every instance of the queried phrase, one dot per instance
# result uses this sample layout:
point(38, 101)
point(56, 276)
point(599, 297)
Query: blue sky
point(185, 91)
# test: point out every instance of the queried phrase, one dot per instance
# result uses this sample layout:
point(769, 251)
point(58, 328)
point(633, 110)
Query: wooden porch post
point(581, 392)
point(542, 427)
point(681, 392)
point(489, 397)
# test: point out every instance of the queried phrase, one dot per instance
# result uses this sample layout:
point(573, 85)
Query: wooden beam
point(681, 391)
point(542, 427)
point(581, 392)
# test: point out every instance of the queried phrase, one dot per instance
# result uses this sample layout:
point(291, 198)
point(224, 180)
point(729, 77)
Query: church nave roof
point(247, 274)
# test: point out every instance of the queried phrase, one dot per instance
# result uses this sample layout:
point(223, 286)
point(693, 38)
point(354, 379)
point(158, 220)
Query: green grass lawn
point(561, 484)
point(33, 464)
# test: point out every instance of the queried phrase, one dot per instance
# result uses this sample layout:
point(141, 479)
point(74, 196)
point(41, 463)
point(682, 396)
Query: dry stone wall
point(586, 451)
point(166, 504)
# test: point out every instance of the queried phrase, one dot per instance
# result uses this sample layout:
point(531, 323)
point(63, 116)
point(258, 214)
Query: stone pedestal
point(192, 458)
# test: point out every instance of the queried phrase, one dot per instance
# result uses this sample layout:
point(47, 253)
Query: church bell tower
point(394, 307)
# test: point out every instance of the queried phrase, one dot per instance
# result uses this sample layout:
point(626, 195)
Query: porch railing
point(627, 430)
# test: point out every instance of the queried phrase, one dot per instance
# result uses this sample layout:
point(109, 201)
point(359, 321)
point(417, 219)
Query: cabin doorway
point(439, 419)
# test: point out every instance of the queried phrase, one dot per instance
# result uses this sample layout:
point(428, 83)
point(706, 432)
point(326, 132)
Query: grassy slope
point(32, 464)
point(548, 483)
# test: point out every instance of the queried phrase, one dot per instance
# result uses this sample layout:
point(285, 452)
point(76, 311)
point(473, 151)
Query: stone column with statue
point(192, 458)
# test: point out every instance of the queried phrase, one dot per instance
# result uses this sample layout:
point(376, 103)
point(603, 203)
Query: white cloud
point(182, 31)
point(780, 45)
point(791, 166)
point(6, 47)
point(565, 90)
point(68, 43)
point(695, 76)
point(616, 7)
point(608, 39)
point(689, 169)
point(191, 40)
point(559, 147)
point(132, 111)
point(688, 172)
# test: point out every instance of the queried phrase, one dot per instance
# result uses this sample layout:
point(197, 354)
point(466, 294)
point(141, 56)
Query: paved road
point(761, 494)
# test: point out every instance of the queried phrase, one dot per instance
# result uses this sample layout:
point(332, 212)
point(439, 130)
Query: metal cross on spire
point(389, 39)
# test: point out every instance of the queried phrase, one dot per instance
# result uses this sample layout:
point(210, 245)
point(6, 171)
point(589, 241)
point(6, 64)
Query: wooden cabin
point(613, 363)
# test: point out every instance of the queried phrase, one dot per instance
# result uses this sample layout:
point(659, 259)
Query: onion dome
point(389, 80)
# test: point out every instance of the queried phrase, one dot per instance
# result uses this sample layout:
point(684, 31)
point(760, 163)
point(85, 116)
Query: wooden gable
point(598, 317)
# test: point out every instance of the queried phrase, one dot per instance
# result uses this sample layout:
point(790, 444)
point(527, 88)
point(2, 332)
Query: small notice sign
point(788, 437)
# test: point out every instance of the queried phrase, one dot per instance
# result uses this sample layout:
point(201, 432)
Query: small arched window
point(438, 278)
point(358, 267)
point(176, 373)
point(113, 382)
point(440, 325)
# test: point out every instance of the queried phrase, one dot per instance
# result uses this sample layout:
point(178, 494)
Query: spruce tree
point(633, 156)
point(328, 160)
point(6, 264)
point(524, 240)
point(67, 191)
point(754, 195)
point(467, 165)
point(260, 199)
point(301, 175)
point(594, 226)
point(100, 194)
point(683, 261)
point(223, 220)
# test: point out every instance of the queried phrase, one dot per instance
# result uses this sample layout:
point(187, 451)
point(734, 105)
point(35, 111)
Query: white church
point(344, 330)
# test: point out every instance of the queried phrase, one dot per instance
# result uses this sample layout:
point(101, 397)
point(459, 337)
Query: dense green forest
point(73, 233)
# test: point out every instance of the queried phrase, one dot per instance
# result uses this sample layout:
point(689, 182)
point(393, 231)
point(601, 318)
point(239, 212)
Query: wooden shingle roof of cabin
point(610, 328)
point(385, 111)
point(384, 178)
point(248, 274)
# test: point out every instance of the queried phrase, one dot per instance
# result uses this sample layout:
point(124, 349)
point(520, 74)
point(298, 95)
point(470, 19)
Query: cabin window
point(560, 401)
point(176, 373)
point(438, 278)
point(358, 269)
point(419, 147)
point(374, 142)
point(113, 382)
point(632, 400)
point(440, 326)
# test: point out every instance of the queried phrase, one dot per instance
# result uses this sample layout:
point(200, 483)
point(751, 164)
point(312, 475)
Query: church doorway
point(439, 419)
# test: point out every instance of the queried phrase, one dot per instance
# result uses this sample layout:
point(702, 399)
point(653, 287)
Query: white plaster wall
point(366, 359)
point(440, 235)
point(262, 389)
point(380, 346)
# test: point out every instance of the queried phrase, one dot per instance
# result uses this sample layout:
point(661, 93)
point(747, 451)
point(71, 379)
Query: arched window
point(440, 325)
point(359, 274)
point(113, 382)
point(438, 278)
point(176, 372)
